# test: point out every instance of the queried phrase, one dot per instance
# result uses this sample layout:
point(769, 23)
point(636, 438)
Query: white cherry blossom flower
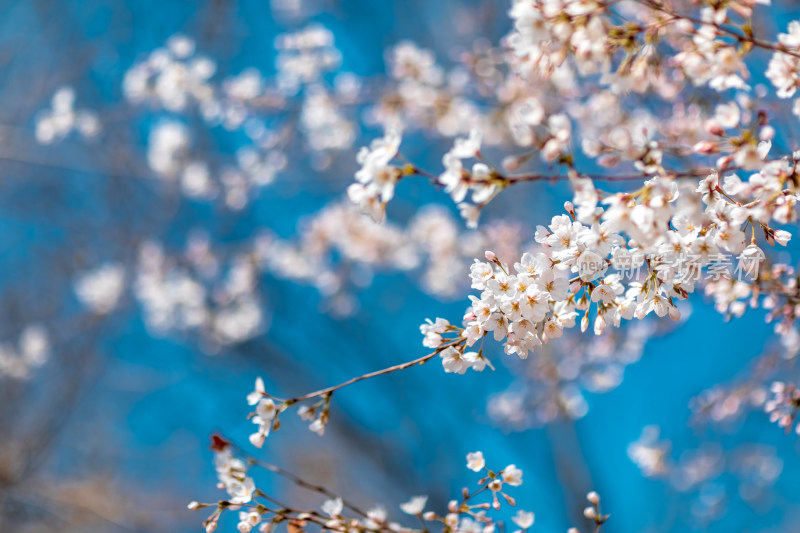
point(475, 461)
point(333, 507)
point(523, 519)
point(512, 476)
point(415, 506)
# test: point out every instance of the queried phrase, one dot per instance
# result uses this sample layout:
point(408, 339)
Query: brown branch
point(420, 361)
point(742, 38)
point(297, 480)
point(697, 173)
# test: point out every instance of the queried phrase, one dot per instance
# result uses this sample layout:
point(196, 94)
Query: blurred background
point(172, 226)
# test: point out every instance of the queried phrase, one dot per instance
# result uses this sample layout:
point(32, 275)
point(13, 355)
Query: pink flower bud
point(599, 325)
point(715, 128)
point(608, 160)
point(511, 163)
point(742, 10)
point(490, 256)
point(705, 147)
point(723, 162)
point(782, 237)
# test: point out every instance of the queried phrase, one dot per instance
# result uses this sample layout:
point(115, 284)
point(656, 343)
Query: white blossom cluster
point(232, 474)
point(194, 291)
point(175, 78)
point(197, 293)
point(325, 126)
point(649, 452)
point(376, 179)
point(167, 148)
point(562, 37)
point(100, 289)
point(305, 55)
point(462, 515)
point(725, 405)
point(191, 291)
point(552, 383)
point(431, 245)
point(784, 406)
point(709, 474)
point(172, 77)
point(534, 302)
point(61, 119)
point(592, 512)
point(425, 95)
point(184, 83)
point(546, 291)
point(171, 156)
point(31, 351)
point(783, 68)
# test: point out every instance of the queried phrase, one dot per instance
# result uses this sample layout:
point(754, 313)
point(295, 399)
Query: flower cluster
point(56, 123)
point(464, 514)
point(172, 76)
point(510, 475)
point(454, 358)
point(424, 95)
point(708, 60)
point(709, 475)
point(181, 81)
point(783, 68)
point(592, 512)
point(552, 384)
point(544, 292)
point(305, 55)
point(546, 33)
point(192, 291)
point(265, 416)
point(232, 473)
point(784, 406)
point(553, 39)
point(650, 453)
point(31, 352)
point(458, 181)
point(339, 249)
point(171, 157)
point(725, 404)
point(268, 410)
point(100, 289)
point(376, 178)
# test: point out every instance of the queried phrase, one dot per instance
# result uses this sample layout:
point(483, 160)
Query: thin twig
point(420, 361)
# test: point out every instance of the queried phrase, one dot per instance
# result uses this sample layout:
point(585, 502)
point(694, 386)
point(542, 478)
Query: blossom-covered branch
point(259, 509)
